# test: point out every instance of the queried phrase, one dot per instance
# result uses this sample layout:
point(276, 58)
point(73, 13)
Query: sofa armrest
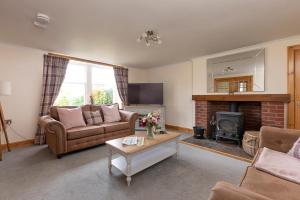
point(130, 117)
point(55, 134)
point(227, 191)
point(278, 139)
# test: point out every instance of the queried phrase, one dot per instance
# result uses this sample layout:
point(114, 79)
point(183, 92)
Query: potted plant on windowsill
point(150, 121)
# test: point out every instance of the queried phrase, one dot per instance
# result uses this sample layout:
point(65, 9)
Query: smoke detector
point(41, 20)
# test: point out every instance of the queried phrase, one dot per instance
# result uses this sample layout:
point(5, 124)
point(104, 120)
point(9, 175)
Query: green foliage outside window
point(100, 96)
point(103, 96)
point(65, 101)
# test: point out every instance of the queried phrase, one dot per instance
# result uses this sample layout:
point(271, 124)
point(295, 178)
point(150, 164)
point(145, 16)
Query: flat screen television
point(145, 93)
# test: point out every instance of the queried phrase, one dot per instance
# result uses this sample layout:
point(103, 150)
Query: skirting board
point(15, 145)
point(178, 128)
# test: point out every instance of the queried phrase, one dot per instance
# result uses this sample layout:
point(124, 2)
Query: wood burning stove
point(230, 126)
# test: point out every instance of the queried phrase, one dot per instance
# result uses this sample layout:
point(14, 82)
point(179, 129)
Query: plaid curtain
point(121, 76)
point(53, 76)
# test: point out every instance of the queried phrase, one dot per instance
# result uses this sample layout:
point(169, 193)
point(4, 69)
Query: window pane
point(102, 95)
point(104, 88)
point(71, 94)
point(103, 76)
point(76, 73)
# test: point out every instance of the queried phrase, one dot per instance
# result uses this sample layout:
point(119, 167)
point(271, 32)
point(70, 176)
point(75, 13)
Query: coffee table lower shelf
point(132, 164)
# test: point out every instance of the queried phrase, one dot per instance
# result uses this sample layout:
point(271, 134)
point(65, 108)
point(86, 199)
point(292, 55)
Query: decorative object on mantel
point(149, 36)
point(5, 90)
point(150, 121)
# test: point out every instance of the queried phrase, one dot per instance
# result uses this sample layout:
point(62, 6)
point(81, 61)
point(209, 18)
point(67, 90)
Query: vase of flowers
point(150, 121)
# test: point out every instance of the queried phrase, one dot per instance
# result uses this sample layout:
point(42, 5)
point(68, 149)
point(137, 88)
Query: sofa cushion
point(95, 140)
point(115, 126)
point(279, 164)
point(269, 185)
point(81, 132)
point(295, 150)
point(71, 117)
point(111, 113)
point(53, 111)
point(93, 117)
point(54, 114)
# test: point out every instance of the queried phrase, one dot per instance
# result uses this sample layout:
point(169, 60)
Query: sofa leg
point(59, 156)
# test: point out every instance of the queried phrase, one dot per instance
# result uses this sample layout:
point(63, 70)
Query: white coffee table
point(133, 159)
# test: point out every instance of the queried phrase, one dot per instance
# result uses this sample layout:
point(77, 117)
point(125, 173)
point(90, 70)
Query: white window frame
point(89, 82)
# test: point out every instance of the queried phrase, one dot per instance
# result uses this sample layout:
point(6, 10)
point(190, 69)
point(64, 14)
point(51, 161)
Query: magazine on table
point(133, 140)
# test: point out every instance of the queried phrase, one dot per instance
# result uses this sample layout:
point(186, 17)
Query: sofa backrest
point(54, 114)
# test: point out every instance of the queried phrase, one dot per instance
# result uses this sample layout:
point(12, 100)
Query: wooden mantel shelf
point(244, 97)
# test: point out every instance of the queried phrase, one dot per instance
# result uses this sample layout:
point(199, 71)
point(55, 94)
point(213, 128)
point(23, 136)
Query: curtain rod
point(82, 60)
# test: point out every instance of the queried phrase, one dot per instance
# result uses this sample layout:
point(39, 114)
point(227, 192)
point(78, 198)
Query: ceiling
point(107, 30)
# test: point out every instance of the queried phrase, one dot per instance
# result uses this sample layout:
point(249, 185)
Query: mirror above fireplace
point(241, 72)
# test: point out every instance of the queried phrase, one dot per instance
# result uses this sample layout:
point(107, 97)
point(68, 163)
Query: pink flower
point(154, 120)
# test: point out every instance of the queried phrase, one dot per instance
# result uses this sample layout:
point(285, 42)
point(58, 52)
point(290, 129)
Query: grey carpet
point(34, 173)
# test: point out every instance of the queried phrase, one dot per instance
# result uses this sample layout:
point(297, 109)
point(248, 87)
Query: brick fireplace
point(259, 110)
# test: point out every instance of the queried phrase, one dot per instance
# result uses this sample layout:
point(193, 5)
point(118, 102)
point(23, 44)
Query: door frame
point(291, 85)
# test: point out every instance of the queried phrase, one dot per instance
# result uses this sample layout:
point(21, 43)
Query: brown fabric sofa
point(257, 184)
point(62, 141)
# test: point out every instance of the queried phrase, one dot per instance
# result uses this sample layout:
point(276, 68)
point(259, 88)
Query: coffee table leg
point(177, 148)
point(128, 178)
point(109, 159)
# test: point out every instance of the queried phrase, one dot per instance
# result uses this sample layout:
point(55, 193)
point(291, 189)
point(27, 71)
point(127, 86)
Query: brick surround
point(272, 114)
point(256, 114)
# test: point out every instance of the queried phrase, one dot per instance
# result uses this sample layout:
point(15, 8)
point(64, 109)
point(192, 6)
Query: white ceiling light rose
point(41, 20)
point(149, 37)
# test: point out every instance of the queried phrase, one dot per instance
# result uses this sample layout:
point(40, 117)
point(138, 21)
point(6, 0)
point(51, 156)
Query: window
point(84, 80)
point(73, 89)
point(104, 88)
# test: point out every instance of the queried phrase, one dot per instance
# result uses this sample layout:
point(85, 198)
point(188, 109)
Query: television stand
point(143, 110)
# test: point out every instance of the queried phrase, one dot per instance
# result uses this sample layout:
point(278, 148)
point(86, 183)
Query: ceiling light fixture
point(149, 36)
point(41, 20)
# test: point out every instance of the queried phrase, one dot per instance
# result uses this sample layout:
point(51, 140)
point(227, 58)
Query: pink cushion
point(279, 164)
point(111, 113)
point(71, 118)
point(295, 150)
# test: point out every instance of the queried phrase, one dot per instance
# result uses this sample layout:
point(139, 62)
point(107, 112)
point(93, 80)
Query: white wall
point(24, 67)
point(178, 86)
point(136, 75)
